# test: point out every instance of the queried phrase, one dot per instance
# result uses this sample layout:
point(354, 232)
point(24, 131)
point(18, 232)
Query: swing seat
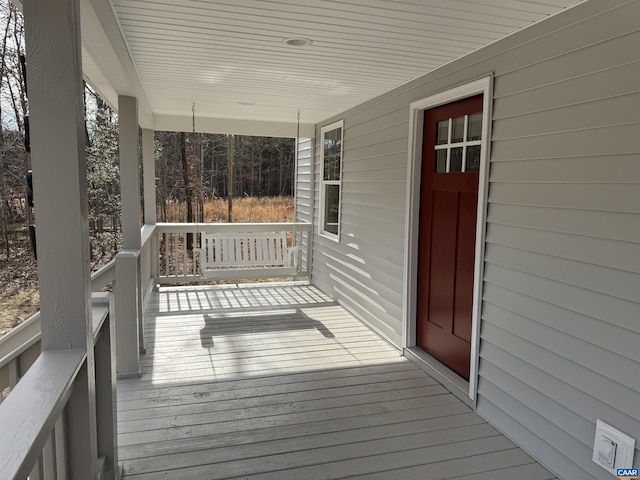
point(247, 255)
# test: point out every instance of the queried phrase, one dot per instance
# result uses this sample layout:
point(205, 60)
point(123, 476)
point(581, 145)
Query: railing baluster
point(196, 242)
point(49, 458)
point(169, 252)
point(14, 372)
point(185, 254)
point(37, 472)
point(167, 237)
point(173, 239)
point(59, 433)
point(176, 244)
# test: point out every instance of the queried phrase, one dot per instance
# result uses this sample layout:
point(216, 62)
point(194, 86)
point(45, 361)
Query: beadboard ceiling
point(228, 56)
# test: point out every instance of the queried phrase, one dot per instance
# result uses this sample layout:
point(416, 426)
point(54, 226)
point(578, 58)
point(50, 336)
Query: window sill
point(330, 236)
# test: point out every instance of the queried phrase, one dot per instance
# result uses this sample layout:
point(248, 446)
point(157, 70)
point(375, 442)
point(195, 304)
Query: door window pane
point(456, 160)
point(443, 132)
point(457, 132)
point(473, 158)
point(475, 127)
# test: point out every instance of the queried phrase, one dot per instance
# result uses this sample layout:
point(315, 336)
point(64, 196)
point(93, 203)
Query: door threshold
point(450, 380)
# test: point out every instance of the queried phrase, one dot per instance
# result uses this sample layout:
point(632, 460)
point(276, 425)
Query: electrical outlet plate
point(612, 449)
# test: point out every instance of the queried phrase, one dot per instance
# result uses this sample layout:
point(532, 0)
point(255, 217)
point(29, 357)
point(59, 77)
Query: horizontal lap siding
point(304, 191)
point(561, 297)
point(304, 178)
point(364, 271)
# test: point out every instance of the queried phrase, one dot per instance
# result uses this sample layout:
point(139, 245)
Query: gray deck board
point(277, 382)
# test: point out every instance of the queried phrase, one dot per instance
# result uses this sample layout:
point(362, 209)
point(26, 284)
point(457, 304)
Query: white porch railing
point(163, 259)
point(46, 420)
point(179, 251)
point(20, 347)
point(42, 386)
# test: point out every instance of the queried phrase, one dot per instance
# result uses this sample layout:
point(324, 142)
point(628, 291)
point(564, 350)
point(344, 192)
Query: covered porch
point(278, 381)
point(282, 381)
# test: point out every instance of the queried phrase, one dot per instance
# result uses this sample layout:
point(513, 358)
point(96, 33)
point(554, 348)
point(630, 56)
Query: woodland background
point(192, 178)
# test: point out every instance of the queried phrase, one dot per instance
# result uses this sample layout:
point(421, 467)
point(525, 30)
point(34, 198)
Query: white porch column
point(127, 303)
point(54, 64)
point(128, 294)
point(149, 172)
point(129, 171)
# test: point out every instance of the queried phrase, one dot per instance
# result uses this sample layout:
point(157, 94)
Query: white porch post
point(149, 172)
point(54, 63)
point(129, 171)
point(128, 294)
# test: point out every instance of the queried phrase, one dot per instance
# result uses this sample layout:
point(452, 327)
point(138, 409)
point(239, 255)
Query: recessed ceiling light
point(297, 41)
point(246, 103)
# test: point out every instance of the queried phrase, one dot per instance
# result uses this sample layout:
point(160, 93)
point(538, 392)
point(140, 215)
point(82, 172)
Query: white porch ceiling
point(228, 56)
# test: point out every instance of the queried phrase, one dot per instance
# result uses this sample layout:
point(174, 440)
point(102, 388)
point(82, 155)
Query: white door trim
point(414, 170)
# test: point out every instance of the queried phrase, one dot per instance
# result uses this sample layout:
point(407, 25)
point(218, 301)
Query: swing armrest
point(292, 256)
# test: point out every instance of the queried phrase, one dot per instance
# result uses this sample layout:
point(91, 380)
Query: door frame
point(412, 222)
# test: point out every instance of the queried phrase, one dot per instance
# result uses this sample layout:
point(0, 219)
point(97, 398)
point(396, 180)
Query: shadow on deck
point(278, 382)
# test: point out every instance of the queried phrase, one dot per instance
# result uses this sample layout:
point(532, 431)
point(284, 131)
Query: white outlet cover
point(622, 451)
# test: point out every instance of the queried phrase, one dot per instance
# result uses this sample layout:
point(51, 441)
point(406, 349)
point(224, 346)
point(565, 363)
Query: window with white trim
point(331, 178)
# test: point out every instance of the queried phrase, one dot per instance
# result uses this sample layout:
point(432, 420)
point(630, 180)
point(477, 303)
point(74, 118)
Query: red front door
point(448, 205)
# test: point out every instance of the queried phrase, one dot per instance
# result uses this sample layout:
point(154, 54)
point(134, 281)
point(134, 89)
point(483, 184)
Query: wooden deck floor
point(278, 382)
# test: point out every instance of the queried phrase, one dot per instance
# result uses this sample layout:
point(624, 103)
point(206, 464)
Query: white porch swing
point(252, 249)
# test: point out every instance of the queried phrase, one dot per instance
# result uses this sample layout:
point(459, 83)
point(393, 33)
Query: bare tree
point(14, 161)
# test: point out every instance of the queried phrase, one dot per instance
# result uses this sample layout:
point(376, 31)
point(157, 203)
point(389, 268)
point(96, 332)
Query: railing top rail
point(233, 227)
point(42, 395)
point(103, 276)
point(19, 339)
point(146, 233)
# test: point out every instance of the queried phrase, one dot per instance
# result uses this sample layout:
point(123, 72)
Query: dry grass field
point(245, 210)
point(19, 297)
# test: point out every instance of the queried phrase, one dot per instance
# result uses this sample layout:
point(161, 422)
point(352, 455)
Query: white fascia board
point(259, 128)
point(112, 69)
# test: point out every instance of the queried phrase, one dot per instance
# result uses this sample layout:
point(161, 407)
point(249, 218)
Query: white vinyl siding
point(304, 192)
point(365, 270)
point(560, 332)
